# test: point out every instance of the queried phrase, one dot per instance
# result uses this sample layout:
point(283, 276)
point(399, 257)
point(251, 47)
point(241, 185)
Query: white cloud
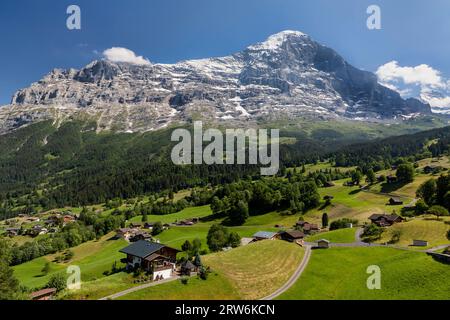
point(117, 54)
point(421, 74)
point(423, 81)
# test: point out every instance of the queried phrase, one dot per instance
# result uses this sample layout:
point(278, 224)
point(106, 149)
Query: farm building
point(432, 169)
point(68, 219)
point(265, 235)
point(385, 220)
point(292, 235)
point(140, 235)
point(124, 233)
point(152, 257)
point(135, 225)
point(44, 294)
point(394, 201)
point(323, 243)
point(307, 227)
point(188, 269)
point(420, 243)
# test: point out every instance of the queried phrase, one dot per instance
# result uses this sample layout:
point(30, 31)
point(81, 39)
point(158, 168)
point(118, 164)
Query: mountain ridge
point(287, 76)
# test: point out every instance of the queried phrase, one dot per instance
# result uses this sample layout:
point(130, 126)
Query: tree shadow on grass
point(391, 187)
point(213, 217)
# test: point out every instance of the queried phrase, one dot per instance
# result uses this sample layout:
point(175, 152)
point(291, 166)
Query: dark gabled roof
point(142, 248)
point(188, 265)
point(388, 217)
point(392, 217)
point(294, 234)
point(43, 292)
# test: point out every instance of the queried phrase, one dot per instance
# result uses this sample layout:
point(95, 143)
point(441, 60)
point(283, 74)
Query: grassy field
point(340, 273)
point(351, 202)
point(93, 258)
point(216, 287)
point(337, 236)
point(192, 212)
point(96, 289)
point(258, 269)
point(424, 228)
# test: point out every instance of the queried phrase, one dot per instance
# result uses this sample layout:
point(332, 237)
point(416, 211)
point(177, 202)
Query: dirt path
point(134, 289)
point(298, 272)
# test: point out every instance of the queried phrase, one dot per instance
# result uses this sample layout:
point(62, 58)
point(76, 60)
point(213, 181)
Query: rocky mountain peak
point(289, 75)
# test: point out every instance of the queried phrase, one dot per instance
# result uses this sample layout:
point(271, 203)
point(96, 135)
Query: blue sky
point(34, 38)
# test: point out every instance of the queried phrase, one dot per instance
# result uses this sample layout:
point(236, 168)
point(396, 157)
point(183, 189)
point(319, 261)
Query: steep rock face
point(287, 76)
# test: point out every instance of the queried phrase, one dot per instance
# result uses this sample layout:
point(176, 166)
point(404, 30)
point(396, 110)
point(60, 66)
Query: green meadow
point(340, 273)
point(337, 236)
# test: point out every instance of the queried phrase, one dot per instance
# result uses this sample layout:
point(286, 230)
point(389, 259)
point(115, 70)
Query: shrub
point(395, 237)
point(184, 280)
point(57, 281)
point(342, 223)
point(438, 211)
point(157, 228)
point(372, 233)
point(203, 273)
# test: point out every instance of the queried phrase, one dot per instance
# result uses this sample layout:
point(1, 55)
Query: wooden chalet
point(188, 269)
point(150, 256)
point(394, 201)
point(292, 235)
point(385, 220)
point(307, 227)
point(323, 243)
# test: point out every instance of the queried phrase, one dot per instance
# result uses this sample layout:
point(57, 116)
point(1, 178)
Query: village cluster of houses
point(142, 231)
point(40, 225)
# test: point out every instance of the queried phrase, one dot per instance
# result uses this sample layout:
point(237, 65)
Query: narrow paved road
point(298, 272)
point(134, 289)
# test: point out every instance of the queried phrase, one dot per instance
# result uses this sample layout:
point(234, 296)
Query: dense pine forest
point(46, 167)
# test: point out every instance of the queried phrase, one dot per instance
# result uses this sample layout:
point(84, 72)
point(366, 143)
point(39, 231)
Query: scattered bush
point(342, 223)
point(57, 281)
point(184, 280)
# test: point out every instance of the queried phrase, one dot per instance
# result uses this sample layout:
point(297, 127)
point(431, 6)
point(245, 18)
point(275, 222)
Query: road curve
point(298, 272)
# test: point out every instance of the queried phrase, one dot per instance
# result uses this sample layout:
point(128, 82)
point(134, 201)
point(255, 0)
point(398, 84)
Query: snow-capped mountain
point(287, 76)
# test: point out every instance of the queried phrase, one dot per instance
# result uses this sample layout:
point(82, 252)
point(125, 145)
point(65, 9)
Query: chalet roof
point(154, 256)
point(42, 293)
point(188, 265)
point(142, 248)
point(396, 199)
point(295, 234)
point(323, 240)
point(264, 234)
point(388, 217)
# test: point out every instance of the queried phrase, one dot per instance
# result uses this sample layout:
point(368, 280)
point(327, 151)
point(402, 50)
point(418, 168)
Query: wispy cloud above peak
point(118, 54)
point(421, 81)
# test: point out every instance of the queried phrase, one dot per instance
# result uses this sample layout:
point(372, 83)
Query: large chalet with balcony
point(150, 256)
